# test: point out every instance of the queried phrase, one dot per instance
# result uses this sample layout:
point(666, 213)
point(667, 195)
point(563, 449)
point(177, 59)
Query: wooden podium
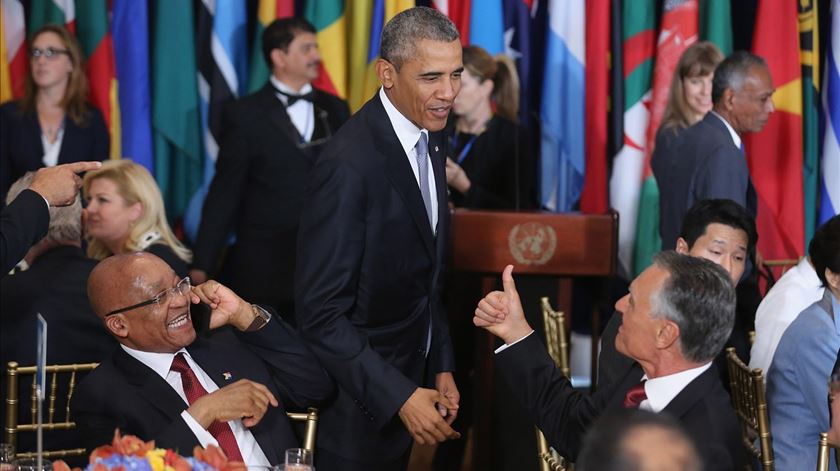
point(536, 243)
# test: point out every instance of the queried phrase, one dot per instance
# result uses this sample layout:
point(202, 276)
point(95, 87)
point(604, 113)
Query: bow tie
point(292, 98)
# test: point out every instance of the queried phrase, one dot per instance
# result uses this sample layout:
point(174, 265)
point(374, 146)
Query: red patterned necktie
point(193, 389)
point(635, 396)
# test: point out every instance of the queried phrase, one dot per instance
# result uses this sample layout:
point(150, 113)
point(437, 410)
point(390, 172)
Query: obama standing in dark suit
point(370, 256)
point(675, 320)
point(270, 144)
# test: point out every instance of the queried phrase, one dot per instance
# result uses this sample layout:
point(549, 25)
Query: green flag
point(175, 112)
point(43, 12)
point(716, 24)
point(809, 58)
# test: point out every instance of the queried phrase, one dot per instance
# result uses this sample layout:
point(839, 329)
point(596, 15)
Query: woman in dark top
point(489, 165)
point(52, 123)
point(125, 213)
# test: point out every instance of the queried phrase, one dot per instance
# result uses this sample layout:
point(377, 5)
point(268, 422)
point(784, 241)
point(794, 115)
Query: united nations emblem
point(532, 243)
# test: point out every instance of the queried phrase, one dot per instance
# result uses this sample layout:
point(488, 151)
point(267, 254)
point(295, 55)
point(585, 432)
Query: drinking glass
point(298, 459)
point(31, 464)
point(7, 457)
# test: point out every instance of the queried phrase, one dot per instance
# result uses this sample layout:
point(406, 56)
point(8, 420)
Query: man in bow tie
point(164, 383)
point(675, 320)
point(270, 143)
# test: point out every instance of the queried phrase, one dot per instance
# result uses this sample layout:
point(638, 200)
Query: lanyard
point(466, 150)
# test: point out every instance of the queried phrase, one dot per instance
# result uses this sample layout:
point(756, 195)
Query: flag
point(774, 155)
point(62, 12)
point(593, 198)
point(638, 32)
point(131, 50)
point(809, 58)
point(459, 12)
point(678, 30)
point(14, 55)
point(267, 11)
point(830, 163)
point(329, 21)
point(222, 60)
point(487, 27)
point(175, 111)
point(716, 24)
point(97, 46)
point(517, 46)
point(562, 107)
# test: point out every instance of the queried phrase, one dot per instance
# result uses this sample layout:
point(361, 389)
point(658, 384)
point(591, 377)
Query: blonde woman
point(125, 213)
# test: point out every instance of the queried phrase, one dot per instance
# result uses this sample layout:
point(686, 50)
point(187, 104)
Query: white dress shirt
point(302, 112)
point(52, 149)
point(661, 391)
point(409, 134)
point(160, 363)
point(797, 289)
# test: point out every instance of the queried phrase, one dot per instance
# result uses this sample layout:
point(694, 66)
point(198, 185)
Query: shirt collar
point(407, 132)
point(160, 363)
point(286, 89)
point(736, 139)
point(661, 391)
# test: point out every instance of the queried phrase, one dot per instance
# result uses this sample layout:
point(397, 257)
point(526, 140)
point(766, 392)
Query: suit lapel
point(694, 391)
point(158, 393)
point(277, 114)
point(399, 172)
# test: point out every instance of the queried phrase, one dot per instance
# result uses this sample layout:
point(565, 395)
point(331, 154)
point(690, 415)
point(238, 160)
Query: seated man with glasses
point(165, 383)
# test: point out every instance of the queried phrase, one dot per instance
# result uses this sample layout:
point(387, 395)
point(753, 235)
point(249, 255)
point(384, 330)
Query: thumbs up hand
point(500, 312)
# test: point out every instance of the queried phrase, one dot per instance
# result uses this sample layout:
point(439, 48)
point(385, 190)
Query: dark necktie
point(422, 148)
point(291, 98)
point(635, 396)
point(193, 390)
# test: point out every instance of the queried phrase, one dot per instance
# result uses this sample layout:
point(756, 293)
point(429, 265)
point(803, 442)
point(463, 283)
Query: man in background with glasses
point(166, 384)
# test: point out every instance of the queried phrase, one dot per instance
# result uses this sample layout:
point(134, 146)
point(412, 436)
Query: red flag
point(774, 155)
point(459, 12)
point(593, 198)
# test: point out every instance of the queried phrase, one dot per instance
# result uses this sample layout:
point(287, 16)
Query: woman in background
point(53, 123)
point(489, 166)
point(125, 213)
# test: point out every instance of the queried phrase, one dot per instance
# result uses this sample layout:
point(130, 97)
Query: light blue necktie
point(422, 149)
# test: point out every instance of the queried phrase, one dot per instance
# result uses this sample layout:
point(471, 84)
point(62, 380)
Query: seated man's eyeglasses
point(49, 52)
point(181, 289)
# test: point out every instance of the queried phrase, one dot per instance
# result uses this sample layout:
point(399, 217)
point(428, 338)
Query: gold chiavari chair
point(52, 418)
point(747, 389)
point(558, 348)
point(311, 419)
point(823, 452)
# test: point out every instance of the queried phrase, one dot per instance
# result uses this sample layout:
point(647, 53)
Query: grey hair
point(699, 297)
point(730, 73)
point(65, 222)
point(405, 30)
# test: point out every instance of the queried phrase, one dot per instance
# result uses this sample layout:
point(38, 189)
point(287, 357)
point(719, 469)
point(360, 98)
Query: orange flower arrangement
point(129, 453)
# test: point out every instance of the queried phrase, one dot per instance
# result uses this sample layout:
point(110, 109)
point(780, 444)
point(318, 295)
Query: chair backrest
point(52, 418)
point(311, 419)
point(823, 451)
point(558, 348)
point(747, 389)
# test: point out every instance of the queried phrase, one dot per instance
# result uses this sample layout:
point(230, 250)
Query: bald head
point(123, 280)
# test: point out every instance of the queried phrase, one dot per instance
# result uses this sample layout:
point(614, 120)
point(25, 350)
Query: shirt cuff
point(203, 436)
point(45, 200)
point(505, 346)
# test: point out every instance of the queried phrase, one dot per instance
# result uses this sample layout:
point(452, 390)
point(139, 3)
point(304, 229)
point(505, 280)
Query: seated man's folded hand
point(243, 399)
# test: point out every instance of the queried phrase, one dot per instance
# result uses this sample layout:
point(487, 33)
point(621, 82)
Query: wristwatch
point(261, 318)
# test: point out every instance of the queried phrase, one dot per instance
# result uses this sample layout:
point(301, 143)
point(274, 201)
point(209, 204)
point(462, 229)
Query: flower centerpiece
point(129, 453)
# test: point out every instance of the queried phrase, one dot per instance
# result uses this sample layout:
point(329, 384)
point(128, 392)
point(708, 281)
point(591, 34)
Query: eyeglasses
point(49, 53)
point(181, 289)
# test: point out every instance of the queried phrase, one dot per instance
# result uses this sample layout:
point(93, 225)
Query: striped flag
point(14, 55)
point(830, 164)
point(131, 50)
point(267, 11)
point(809, 58)
point(487, 27)
point(222, 60)
point(329, 21)
point(95, 38)
point(517, 43)
point(62, 12)
point(678, 30)
point(562, 107)
point(774, 155)
point(638, 31)
point(593, 198)
point(459, 12)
